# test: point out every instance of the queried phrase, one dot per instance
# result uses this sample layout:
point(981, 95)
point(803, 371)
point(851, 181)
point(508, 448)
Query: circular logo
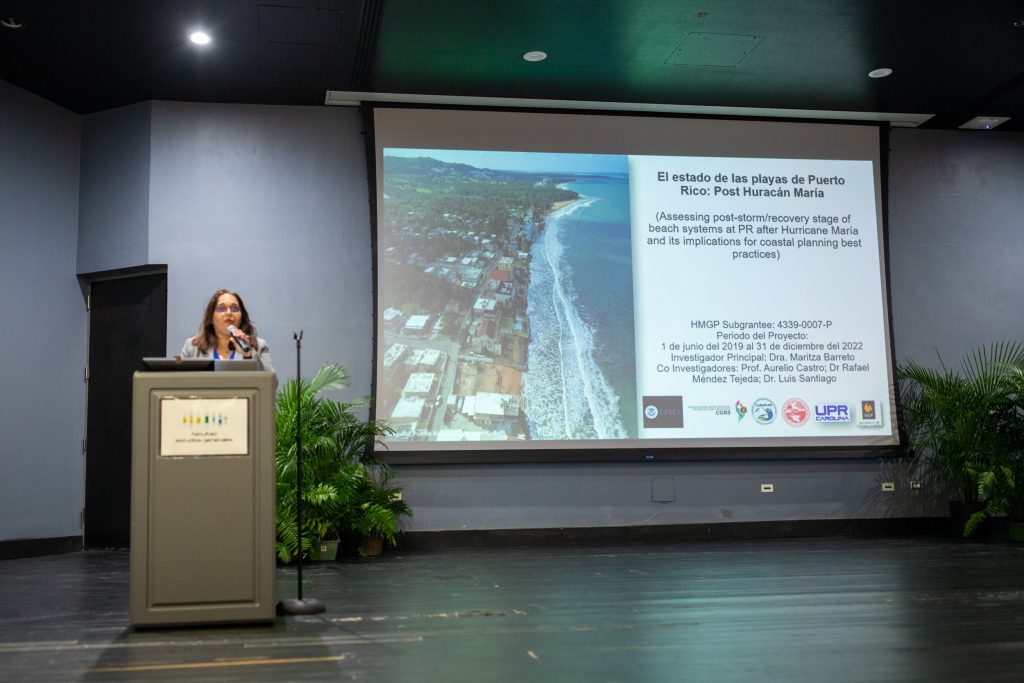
point(763, 411)
point(651, 412)
point(795, 412)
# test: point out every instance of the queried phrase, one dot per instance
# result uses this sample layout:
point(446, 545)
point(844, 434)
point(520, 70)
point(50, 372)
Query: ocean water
point(580, 382)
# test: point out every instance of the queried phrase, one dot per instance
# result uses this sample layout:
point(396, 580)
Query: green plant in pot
point(1002, 487)
point(375, 506)
point(337, 449)
point(965, 425)
point(380, 508)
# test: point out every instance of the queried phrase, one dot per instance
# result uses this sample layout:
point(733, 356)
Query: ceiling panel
point(951, 59)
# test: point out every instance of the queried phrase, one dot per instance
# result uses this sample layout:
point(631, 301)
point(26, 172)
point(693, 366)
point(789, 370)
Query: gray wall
point(113, 217)
point(42, 408)
point(956, 217)
point(614, 495)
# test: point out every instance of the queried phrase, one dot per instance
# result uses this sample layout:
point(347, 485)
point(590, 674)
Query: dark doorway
point(127, 321)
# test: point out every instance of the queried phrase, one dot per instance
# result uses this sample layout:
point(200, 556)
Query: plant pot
point(1017, 532)
point(372, 546)
point(960, 512)
point(324, 551)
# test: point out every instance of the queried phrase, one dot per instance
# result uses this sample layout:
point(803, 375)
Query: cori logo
point(663, 412)
point(795, 412)
point(832, 413)
point(763, 411)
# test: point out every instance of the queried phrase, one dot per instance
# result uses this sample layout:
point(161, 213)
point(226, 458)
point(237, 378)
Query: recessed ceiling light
point(199, 37)
point(880, 73)
point(535, 56)
point(985, 122)
point(10, 22)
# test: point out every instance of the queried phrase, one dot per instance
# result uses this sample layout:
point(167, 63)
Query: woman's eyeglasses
point(222, 308)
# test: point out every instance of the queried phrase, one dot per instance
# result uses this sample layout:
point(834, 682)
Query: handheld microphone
point(238, 340)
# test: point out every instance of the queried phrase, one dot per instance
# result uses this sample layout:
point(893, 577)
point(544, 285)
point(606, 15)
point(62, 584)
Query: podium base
point(295, 607)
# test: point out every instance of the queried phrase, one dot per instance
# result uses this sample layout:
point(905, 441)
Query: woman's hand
point(239, 336)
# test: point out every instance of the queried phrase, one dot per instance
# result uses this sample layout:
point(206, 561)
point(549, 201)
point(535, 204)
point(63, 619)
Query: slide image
point(507, 313)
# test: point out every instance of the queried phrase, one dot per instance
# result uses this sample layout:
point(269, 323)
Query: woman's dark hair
point(207, 337)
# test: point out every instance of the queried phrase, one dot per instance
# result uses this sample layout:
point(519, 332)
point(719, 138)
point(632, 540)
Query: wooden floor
point(837, 609)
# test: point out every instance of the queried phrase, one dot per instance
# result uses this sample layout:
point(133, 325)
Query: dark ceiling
point(951, 60)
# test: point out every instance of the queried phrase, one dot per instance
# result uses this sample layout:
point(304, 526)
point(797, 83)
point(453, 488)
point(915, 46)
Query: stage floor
point(834, 609)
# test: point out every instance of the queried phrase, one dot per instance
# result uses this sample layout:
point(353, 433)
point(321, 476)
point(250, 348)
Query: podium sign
point(202, 525)
point(203, 426)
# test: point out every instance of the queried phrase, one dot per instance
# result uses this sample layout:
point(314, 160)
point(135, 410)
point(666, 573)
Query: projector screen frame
point(588, 451)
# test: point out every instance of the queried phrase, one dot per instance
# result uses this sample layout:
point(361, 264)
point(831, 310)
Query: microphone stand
point(299, 606)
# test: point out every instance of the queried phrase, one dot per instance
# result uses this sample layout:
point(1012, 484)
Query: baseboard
point(672, 533)
point(33, 547)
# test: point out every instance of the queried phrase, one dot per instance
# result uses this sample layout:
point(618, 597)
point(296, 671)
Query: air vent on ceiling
point(299, 25)
point(713, 49)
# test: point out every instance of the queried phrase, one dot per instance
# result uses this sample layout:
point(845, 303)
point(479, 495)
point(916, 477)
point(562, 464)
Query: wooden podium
point(202, 518)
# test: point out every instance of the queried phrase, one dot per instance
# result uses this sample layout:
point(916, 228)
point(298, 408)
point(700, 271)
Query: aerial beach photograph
point(505, 302)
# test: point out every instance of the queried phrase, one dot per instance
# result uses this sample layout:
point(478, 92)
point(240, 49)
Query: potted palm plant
point(379, 510)
point(998, 491)
point(1002, 487)
point(337, 457)
point(966, 426)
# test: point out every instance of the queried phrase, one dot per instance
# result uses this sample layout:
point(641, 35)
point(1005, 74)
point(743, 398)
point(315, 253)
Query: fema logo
point(795, 412)
point(663, 412)
point(763, 411)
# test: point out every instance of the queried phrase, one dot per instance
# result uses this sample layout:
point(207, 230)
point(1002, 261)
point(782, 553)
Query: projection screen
point(643, 285)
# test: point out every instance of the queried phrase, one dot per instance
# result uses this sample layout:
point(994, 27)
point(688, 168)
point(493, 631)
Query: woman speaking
point(226, 333)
